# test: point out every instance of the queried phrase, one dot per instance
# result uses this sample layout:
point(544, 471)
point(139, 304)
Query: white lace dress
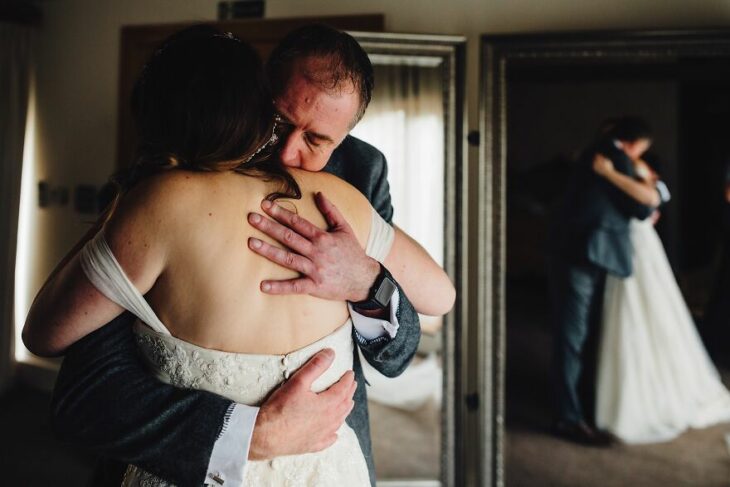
point(243, 378)
point(655, 378)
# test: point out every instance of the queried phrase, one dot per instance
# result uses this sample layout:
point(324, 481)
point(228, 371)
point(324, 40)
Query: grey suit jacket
point(592, 225)
point(106, 400)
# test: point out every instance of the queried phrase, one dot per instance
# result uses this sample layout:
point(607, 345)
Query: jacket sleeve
point(625, 203)
point(380, 197)
point(391, 356)
point(106, 400)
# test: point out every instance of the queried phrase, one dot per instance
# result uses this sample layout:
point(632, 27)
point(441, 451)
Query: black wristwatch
point(380, 294)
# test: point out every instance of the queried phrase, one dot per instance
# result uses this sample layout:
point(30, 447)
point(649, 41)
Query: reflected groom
point(105, 399)
point(590, 238)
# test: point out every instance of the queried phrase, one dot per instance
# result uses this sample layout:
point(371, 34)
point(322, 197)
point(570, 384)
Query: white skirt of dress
point(655, 378)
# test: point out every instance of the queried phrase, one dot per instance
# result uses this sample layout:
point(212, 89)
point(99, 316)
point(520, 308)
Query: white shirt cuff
point(663, 190)
point(230, 451)
point(372, 328)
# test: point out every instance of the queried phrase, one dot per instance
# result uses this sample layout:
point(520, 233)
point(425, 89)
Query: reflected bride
point(655, 378)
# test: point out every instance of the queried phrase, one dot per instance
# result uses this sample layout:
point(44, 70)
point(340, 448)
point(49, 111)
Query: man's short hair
point(626, 129)
point(343, 61)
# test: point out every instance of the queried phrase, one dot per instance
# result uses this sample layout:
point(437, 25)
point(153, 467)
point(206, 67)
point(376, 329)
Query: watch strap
point(380, 293)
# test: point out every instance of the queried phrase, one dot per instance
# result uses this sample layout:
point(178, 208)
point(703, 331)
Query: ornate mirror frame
point(448, 53)
point(499, 53)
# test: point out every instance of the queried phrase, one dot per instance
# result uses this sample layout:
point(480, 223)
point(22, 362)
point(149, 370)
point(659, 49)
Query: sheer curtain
point(405, 120)
point(15, 66)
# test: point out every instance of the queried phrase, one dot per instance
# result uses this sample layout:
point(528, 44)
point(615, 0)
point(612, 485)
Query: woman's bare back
point(207, 291)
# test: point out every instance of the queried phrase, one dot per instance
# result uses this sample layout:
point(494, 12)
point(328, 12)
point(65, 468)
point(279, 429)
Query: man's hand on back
point(332, 263)
point(295, 420)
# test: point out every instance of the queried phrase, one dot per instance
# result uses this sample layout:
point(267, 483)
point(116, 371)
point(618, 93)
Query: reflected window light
point(405, 122)
point(22, 260)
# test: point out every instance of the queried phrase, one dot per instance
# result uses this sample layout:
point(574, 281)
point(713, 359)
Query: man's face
point(319, 121)
point(636, 149)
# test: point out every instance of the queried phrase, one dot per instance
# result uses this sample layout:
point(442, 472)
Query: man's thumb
point(315, 367)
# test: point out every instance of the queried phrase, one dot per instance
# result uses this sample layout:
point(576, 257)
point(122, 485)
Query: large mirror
point(548, 103)
point(416, 120)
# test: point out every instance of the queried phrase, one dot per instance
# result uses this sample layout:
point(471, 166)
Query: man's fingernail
point(254, 217)
point(255, 243)
point(266, 204)
point(265, 286)
point(328, 353)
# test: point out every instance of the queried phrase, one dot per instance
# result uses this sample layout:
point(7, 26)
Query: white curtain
point(405, 120)
point(15, 66)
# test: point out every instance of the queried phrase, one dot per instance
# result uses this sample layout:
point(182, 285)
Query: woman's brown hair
point(202, 103)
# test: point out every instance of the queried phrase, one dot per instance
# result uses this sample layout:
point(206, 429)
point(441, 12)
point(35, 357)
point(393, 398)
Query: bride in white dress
point(174, 252)
point(655, 379)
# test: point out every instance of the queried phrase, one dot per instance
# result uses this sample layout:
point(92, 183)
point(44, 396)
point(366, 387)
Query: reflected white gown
point(655, 378)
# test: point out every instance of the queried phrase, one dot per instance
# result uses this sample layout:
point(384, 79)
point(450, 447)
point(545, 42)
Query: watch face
point(385, 292)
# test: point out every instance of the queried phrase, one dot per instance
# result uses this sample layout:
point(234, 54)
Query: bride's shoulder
point(331, 185)
point(353, 205)
point(161, 198)
point(171, 188)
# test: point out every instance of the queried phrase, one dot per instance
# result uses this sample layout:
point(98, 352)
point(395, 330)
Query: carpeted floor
point(396, 431)
point(699, 458)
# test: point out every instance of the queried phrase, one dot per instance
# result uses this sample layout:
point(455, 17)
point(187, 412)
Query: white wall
point(78, 58)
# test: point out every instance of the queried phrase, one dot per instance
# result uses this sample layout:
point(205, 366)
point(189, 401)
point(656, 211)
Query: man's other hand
point(295, 420)
point(602, 165)
point(332, 263)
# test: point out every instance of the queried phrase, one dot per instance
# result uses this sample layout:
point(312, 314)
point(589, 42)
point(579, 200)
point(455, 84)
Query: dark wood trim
point(24, 13)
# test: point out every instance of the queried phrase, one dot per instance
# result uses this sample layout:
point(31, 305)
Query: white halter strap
point(105, 273)
point(380, 239)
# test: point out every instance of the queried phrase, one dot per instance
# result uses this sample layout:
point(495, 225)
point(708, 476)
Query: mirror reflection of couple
point(608, 269)
point(250, 322)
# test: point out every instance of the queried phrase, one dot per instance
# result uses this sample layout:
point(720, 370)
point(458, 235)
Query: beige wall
point(78, 63)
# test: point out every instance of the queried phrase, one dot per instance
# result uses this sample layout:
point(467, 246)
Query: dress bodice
point(243, 378)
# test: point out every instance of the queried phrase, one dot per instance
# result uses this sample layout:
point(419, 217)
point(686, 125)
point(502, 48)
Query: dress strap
point(105, 273)
point(380, 239)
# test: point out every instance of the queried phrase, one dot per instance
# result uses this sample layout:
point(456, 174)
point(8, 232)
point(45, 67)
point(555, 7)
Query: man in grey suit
point(590, 237)
point(106, 400)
